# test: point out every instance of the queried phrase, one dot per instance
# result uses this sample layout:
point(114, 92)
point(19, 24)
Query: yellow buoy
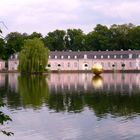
point(97, 69)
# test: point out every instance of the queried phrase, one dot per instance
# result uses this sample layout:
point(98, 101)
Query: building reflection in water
point(57, 82)
point(2, 80)
point(122, 83)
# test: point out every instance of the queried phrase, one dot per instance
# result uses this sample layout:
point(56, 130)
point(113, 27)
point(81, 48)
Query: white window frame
point(85, 56)
point(130, 56)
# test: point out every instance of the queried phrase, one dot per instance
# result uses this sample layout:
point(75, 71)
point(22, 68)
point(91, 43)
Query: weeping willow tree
point(34, 56)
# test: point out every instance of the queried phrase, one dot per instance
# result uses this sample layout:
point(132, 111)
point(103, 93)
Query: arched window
point(59, 65)
point(123, 65)
point(86, 65)
point(49, 65)
point(113, 65)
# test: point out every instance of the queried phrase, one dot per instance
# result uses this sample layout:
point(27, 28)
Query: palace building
point(2, 65)
point(84, 60)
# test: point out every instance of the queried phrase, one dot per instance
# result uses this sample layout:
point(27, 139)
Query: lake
point(71, 106)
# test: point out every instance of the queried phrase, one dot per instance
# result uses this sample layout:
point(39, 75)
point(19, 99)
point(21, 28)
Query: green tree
point(120, 36)
point(33, 57)
point(35, 35)
point(75, 40)
point(99, 38)
point(14, 43)
point(134, 38)
point(2, 49)
point(55, 40)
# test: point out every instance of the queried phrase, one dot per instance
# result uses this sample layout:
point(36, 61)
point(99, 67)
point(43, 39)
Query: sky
point(48, 15)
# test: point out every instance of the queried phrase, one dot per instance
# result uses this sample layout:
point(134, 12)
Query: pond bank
point(79, 71)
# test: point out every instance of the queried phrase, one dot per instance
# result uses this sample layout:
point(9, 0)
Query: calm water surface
point(71, 106)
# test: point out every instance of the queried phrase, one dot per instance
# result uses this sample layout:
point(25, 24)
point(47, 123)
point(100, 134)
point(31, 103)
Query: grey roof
point(91, 54)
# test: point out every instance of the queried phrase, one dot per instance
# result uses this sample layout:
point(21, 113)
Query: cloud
point(47, 15)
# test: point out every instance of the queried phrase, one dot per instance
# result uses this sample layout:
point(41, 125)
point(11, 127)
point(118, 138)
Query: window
point(121, 56)
point(75, 64)
point(68, 57)
point(68, 64)
point(59, 65)
point(130, 56)
point(62, 57)
point(101, 56)
point(55, 57)
point(49, 56)
point(123, 65)
point(102, 63)
point(86, 65)
point(130, 64)
point(75, 57)
point(62, 64)
point(85, 56)
point(139, 56)
point(108, 64)
point(115, 56)
point(49, 65)
point(95, 56)
point(108, 56)
point(113, 65)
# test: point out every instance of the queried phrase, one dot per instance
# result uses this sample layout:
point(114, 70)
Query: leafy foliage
point(4, 118)
point(33, 57)
point(55, 40)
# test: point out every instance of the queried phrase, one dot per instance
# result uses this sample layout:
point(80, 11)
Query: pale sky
point(48, 15)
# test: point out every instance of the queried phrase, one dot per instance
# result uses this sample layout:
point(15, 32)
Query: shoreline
point(79, 71)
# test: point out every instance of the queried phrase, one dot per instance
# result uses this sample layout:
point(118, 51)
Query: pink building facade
point(84, 60)
point(2, 64)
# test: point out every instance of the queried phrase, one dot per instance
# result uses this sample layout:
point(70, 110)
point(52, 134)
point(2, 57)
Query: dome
point(97, 69)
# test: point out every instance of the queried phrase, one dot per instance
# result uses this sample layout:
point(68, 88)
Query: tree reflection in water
point(33, 89)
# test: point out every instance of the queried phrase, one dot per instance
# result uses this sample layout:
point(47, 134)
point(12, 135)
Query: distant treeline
point(115, 37)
